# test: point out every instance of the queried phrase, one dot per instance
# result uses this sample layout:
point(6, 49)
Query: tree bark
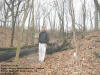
point(21, 32)
point(97, 11)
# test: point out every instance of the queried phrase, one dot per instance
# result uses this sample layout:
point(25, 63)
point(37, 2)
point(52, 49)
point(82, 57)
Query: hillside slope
point(65, 63)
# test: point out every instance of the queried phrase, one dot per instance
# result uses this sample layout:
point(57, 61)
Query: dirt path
point(7, 55)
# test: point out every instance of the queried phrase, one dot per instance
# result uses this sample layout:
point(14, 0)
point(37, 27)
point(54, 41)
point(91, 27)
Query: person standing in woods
point(43, 41)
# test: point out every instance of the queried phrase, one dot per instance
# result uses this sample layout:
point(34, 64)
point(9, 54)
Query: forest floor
point(85, 62)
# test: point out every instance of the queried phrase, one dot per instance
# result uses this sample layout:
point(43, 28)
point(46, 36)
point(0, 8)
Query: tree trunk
point(97, 11)
point(21, 32)
point(13, 25)
point(96, 19)
point(33, 34)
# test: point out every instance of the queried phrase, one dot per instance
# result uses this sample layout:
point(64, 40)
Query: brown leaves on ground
point(65, 63)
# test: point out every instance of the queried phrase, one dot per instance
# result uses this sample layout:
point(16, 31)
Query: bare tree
point(6, 12)
point(33, 29)
point(21, 32)
point(71, 12)
point(14, 13)
point(84, 16)
point(91, 21)
point(60, 13)
point(97, 11)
